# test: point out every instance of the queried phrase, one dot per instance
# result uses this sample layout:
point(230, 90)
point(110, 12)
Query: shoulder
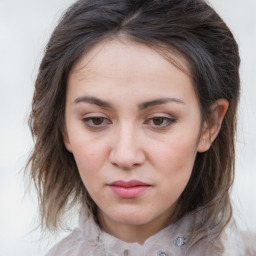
point(67, 246)
point(82, 241)
point(76, 244)
point(240, 243)
point(233, 242)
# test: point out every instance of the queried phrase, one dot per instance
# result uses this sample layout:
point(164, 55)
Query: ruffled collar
point(172, 238)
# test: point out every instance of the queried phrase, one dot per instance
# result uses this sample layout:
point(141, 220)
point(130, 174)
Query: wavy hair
point(189, 27)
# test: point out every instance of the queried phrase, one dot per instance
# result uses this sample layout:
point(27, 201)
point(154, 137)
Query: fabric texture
point(90, 240)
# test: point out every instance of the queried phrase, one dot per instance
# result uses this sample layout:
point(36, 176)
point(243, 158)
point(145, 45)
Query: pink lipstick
point(130, 189)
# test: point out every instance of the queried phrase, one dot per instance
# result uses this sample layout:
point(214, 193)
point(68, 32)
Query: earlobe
point(66, 140)
point(212, 127)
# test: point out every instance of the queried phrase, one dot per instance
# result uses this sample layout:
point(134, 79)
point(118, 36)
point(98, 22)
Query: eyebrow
point(141, 106)
point(159, 102)
point(93, 100)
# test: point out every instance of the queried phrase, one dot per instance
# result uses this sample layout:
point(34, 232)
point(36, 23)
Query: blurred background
point(25, 27)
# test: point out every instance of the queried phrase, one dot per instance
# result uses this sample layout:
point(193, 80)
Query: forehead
point(108, 50)
point(126, 65)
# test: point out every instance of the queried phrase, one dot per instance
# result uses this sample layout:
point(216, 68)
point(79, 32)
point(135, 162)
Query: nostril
point(127, 160)
point(126, 152)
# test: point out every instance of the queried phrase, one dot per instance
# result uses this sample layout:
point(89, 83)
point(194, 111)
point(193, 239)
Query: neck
point(133, 233)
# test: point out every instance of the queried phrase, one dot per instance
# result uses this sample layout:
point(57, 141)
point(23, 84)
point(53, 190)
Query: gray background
point(25, 27)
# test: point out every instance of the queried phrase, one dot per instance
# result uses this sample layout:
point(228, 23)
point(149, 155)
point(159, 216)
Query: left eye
point(160, 121)
point(96, 121)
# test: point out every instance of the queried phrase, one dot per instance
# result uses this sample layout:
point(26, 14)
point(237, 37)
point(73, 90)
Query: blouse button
point(179, 241)
point(161, 254)
point(126, 253)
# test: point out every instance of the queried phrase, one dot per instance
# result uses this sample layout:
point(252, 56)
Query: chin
point(131, 218)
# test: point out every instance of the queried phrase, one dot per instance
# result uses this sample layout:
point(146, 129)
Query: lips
point(128, 189)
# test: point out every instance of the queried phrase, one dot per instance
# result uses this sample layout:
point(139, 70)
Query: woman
point(134, 118)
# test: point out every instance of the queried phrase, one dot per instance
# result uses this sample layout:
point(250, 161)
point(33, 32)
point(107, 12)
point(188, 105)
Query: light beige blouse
point(90, 240)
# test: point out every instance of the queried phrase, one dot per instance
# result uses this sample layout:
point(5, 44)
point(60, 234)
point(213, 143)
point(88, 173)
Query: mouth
point(128, 189)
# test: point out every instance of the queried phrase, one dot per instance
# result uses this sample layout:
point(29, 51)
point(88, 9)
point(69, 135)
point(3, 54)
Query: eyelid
point(168, 121)
point(88, 122)
point(162, 115)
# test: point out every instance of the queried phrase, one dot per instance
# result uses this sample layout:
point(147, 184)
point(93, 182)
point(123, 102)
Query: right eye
point(96, 121)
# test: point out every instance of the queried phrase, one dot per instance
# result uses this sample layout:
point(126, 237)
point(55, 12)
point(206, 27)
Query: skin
point(129, 138)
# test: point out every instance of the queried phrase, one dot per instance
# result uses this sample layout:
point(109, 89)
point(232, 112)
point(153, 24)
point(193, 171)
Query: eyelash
point(165, 122)
point(90, 122)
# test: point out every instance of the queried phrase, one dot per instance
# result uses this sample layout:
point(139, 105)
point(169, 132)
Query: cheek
point(177, 153)
point(176, 166)
point(89, 164)
point(174, 162)
point(89, 157)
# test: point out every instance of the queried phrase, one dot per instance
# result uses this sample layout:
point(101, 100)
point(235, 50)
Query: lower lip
point(129, 192)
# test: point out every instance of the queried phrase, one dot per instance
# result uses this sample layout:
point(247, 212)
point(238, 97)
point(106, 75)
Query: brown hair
point(189, 27)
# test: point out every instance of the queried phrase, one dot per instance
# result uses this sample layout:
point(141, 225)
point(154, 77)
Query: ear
point(212, 127)
point(66, 139)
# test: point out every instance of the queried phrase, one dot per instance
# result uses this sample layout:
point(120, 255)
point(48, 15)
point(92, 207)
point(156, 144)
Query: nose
point(127, 151)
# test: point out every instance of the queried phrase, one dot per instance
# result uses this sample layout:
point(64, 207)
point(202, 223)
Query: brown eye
point(158, 120)
point(97, 120)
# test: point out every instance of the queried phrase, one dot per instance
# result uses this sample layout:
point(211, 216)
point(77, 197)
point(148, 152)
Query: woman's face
point(133, 125)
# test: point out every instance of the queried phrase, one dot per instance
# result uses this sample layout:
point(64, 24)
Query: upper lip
point(127, 184)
